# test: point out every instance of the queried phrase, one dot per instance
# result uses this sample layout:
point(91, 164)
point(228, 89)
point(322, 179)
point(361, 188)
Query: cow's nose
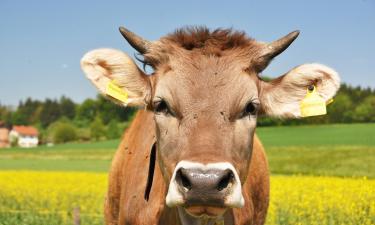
point(212, 184)
point(206, 181)
point(208, 187)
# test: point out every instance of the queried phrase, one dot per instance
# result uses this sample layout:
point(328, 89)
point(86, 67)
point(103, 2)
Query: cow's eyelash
point(250, 109)
point(162, 106)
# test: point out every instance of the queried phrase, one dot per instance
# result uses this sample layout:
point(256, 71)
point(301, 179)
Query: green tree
point(64, 132)
point(67, 107)
point(27, 112)
point(50, 112)
point(19, 116)
point(6, 115)
point(365, 111)
point(108, 111)
point(341, 110)
point(87, 111)
point(113, 130)
point(97, 129)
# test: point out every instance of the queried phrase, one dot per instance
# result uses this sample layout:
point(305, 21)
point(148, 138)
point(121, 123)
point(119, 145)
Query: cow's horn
point(273, 49)
point(137, 42)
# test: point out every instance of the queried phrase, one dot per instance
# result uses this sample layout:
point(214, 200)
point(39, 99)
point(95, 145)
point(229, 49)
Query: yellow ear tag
point(116, 92)
point(312, 104)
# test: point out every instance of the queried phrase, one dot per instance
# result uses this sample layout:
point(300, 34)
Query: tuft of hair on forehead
point(200, 40)
point(200, 37)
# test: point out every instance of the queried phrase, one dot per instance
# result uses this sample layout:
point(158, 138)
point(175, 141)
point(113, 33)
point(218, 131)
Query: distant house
point(4, 135)
point(26, 136)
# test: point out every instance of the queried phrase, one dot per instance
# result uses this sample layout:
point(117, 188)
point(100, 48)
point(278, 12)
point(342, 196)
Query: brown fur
point(128, 177)
point(191, 38)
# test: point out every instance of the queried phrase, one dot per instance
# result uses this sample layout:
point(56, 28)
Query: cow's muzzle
point(205, 185)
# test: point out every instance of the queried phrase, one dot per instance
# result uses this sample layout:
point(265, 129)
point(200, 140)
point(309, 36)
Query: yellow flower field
point(321, 200)
point(28, 197)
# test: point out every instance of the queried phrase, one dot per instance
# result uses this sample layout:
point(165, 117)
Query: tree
point(50, 112)
point(6, 115)
point(19, 116)
point(67, 107)
point(97, 129)
point(365, 111)
point(87, 111)
point(341, 110)
point(108, 111)
point(113, 130)
point(27, 112)
point(63, 132)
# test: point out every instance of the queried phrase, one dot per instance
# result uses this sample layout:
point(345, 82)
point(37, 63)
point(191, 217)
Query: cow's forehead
point(208, 73)
point(195, 68)
point(207, 82)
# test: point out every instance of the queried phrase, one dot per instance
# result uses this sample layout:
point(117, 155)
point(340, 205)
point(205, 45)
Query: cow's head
point(206, 94)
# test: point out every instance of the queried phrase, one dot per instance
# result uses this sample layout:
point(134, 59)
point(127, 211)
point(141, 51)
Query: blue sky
point(41, 42)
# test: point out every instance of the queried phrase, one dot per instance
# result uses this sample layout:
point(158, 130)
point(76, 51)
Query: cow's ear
point(113, 69)
point(282, 96)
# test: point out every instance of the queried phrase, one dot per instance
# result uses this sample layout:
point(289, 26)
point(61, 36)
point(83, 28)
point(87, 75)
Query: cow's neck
point(187, 219)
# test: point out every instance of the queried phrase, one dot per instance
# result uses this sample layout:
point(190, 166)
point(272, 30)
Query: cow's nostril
point(182, 179)
point(225, 180)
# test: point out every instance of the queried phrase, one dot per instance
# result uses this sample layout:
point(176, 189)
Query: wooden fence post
point(76, 216)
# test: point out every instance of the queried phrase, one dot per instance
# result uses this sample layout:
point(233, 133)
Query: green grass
point(318, 135)
point(335, 150)
point(93, 157)
point(343, 161)
point(72, 151)
point(92, 165)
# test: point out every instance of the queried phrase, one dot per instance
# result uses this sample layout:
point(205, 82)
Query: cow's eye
point(250, 109)
point(161, 106)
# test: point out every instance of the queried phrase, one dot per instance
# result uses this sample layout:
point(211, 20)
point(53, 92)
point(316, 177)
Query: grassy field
point(319, 135)
point(320, 175)
point(346, 150)
point(93, 157)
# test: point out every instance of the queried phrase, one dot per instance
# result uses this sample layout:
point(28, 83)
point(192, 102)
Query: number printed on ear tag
point(116, 92)
point(313, 104)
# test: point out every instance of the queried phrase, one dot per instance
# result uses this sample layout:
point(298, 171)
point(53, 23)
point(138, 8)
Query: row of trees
point(63, 120)
point(44, 113)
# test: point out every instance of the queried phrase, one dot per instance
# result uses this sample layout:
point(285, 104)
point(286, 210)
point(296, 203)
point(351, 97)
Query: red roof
point(26, 130)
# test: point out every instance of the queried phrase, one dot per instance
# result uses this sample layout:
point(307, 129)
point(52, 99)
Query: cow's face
point(206, 95)
point(205, 112)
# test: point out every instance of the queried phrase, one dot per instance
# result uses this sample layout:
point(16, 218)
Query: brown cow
point(192, 156)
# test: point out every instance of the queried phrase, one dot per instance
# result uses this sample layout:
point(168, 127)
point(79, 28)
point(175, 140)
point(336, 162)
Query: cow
point(191, 155)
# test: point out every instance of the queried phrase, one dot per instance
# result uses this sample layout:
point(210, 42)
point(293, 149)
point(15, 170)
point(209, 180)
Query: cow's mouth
point(205, 211)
